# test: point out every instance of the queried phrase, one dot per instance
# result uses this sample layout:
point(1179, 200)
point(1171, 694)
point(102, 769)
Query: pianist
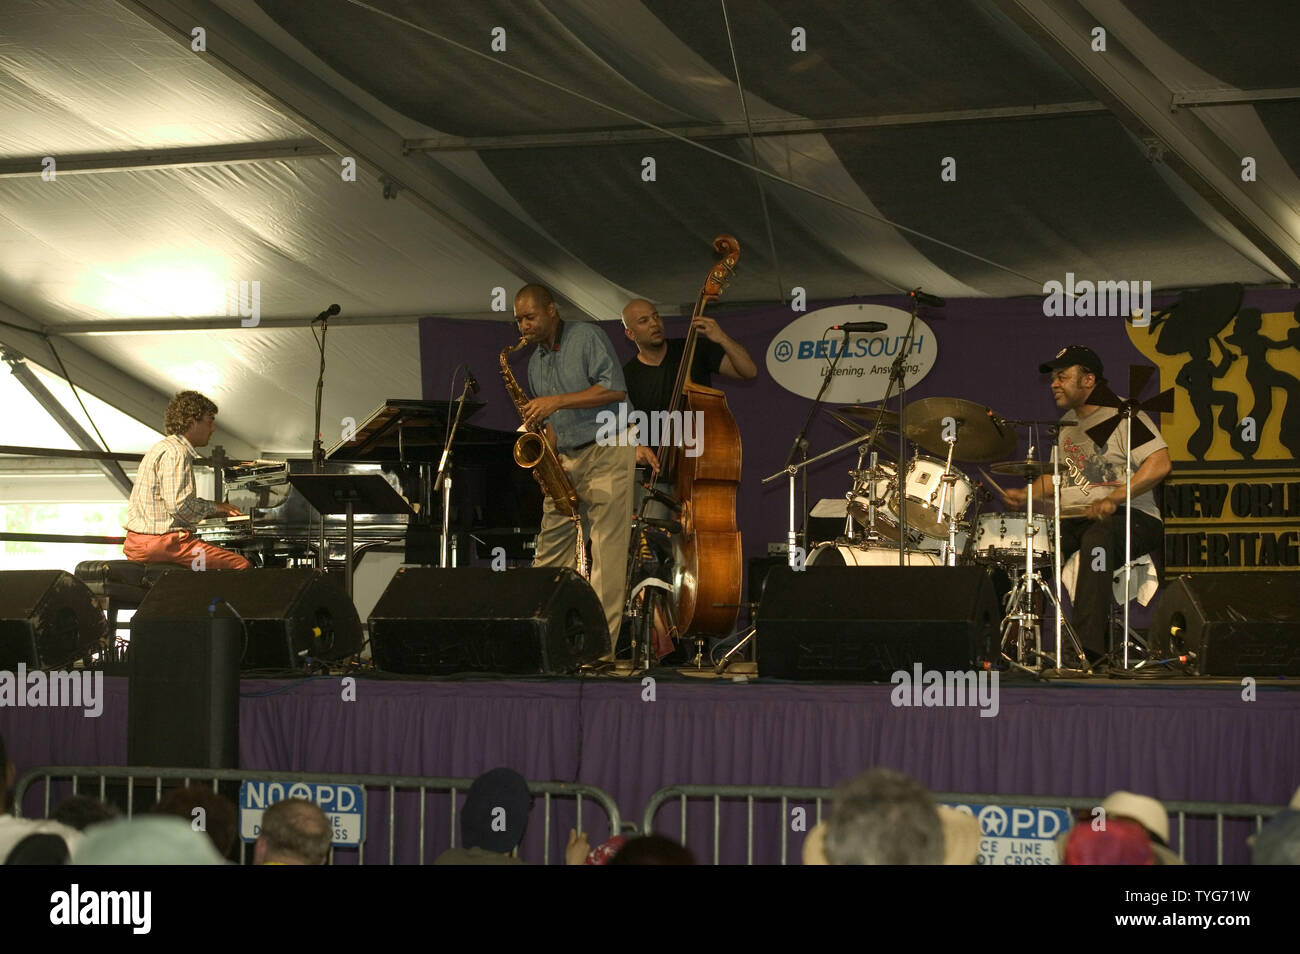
point(164, 507)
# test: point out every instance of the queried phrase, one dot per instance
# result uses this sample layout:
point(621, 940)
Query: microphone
point(667, 526)
point(863, 326)
point(328, 312)
point(934, 301)
point(664, 499)
point(993, 419)
point(471, 380)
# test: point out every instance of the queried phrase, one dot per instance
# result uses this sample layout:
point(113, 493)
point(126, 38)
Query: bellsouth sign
point(799, 356)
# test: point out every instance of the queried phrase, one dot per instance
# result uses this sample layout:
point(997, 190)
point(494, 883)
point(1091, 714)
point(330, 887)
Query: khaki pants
point(604, 478)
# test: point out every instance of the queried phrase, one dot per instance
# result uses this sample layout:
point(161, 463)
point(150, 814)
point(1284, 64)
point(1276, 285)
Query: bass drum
point(841, 554)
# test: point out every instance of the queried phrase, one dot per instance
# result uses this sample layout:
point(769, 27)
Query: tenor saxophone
point(534, 451)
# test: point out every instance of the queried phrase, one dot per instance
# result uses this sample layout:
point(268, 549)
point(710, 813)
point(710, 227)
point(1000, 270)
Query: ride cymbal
point(979, 437)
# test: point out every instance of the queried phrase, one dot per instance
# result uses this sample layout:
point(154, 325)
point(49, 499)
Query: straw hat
point(1143, 809)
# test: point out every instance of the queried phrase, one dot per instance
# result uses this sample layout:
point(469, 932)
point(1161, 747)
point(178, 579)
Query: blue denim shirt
point(582, 356)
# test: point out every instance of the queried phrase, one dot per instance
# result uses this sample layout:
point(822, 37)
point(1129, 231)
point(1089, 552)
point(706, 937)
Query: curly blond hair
point(184, 409)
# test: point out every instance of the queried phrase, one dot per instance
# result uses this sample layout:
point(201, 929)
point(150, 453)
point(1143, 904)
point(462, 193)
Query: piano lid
point(412, 430)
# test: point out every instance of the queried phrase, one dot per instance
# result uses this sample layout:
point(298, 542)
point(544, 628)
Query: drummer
point(1092, 482)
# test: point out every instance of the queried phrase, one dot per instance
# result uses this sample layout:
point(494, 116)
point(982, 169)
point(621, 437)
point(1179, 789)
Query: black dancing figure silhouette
point(1263, 377)
point(1187, 327)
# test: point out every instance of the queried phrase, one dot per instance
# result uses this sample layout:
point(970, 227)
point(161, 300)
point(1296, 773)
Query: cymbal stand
point(1056, 541)
point(945, 496)
point(1020, 602)
point(869, 529)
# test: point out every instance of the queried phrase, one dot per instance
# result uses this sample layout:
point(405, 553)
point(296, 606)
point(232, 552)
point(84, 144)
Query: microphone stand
point(317, 448)
point(443, 481)
point(898, 374)
point(800, 446)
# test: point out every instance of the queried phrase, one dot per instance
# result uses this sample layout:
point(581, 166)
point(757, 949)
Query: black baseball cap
point(1071, 355)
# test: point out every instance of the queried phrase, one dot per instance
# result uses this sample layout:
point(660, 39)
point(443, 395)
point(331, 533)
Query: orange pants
point(180, 546)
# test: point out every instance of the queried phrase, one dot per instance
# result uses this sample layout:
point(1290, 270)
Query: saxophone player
point(575, 376)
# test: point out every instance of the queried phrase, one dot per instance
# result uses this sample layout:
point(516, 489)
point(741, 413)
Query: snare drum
point(923, 487)
point(1000, 538)
point(840, 554)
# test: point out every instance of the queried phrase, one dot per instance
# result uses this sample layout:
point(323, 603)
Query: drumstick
point(992, 481)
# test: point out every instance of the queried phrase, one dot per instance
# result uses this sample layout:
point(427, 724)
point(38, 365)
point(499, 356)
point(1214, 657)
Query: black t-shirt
point(650, 388)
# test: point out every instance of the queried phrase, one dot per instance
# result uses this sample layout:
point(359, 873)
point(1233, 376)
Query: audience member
point(882, 817)
point(294, 832)
point(814, 845)
point(604, 853)
point(82, 811)
point(961, 836)
point(145, 840)
point(205, 811)
point(1278, 842)
point(39, 849)
point(1150, 814)
point(652, 850)
point(12, 829)
point(492, 820)
point(1120, 842)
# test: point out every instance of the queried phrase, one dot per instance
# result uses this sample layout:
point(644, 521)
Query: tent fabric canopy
point(265, 116)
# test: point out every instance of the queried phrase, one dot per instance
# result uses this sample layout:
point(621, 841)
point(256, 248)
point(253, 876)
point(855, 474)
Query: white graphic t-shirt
point(1090, 473)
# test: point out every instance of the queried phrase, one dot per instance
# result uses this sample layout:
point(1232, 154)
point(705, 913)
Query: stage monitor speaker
point(48, 619)
point(853, 623)
point(183, 698)
point(519, 622)
point(1230, 624)
point(287, 616)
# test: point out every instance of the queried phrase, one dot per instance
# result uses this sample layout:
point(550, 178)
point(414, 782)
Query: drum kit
point(945, 526)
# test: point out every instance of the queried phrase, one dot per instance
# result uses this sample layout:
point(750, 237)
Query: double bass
point(707, 552)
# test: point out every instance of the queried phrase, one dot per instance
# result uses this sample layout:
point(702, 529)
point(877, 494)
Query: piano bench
point(123, 583)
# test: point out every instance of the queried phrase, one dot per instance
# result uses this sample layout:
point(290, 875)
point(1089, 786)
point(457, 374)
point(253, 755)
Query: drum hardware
point(1020, 602)
point(948, 480)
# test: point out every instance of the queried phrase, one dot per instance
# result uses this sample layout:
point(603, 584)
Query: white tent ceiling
point(179, 172)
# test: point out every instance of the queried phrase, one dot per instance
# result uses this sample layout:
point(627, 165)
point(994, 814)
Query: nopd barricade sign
point(343, 805)
point(1017, 834)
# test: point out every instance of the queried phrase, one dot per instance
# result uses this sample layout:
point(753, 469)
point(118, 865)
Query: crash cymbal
point(1028, 469)
point(979, 437)
point(888, 420)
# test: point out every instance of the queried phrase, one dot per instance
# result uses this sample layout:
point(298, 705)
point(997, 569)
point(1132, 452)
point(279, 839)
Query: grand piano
point(494, 503)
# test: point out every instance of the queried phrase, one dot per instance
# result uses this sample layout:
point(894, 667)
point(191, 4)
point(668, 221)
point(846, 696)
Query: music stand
point(348, 494)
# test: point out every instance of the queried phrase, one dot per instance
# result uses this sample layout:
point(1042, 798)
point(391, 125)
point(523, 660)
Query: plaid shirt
point(163, 498)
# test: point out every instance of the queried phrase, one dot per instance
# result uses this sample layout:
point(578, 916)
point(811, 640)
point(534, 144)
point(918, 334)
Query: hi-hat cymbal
point(1028, 469)
point(888, 420)
point(979, 437)
point(861, 431)
point(853, 426)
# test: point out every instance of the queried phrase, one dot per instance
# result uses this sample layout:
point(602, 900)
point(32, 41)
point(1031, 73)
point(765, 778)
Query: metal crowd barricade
point(551, 798)
point(731, 800)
